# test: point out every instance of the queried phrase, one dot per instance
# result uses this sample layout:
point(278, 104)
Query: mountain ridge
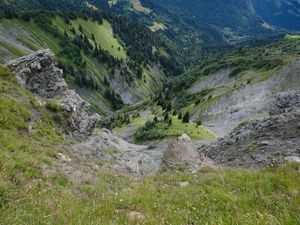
point(282, 13)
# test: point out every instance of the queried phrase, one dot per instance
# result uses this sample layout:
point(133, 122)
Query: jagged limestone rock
point(265, 141)
point(285, 102)
point(38, 73)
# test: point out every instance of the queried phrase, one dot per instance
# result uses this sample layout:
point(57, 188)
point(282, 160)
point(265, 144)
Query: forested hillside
point(100, 53)
point(21, 5)
point(237, 16)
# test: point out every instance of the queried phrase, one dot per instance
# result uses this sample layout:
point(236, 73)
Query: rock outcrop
point(38, 73)
point(285, 102)
point(182, 153)
point(261, 142)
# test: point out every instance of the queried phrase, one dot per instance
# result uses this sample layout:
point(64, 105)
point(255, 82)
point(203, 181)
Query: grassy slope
point(28, 196)
point(26, 138)
point(196, 133)
point(151, 82)
point(178, 128)
point(215, 197)
point(39, 38)
point(11, 48)
point(152, 78)
point(293, 36)
point(103, 34)
point(162, 129)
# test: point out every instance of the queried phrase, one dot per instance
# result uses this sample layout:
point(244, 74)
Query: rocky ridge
point(38, 73)
point(261, 142)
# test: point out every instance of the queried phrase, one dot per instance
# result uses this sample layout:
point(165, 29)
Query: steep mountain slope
point(224, 91)
point(281, 13)
point(208, 22)
point(269, 140)
point(101, 57)
point(54, 110)
point(41, 4)
point(181, 29)
point(110, 62)
point(237, 17)
point(184, 30)
point(187, 26)
point(19, 38)
point(229, 89)
point(247, 16)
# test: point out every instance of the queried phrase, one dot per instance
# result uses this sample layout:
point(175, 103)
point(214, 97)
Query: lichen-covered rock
point(38, 73)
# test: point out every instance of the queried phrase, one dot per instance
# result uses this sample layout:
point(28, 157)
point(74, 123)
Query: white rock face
point(261, 142)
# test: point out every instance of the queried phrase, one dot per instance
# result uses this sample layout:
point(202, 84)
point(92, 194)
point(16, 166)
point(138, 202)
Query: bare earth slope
point(262, 142)
point(240, 101)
